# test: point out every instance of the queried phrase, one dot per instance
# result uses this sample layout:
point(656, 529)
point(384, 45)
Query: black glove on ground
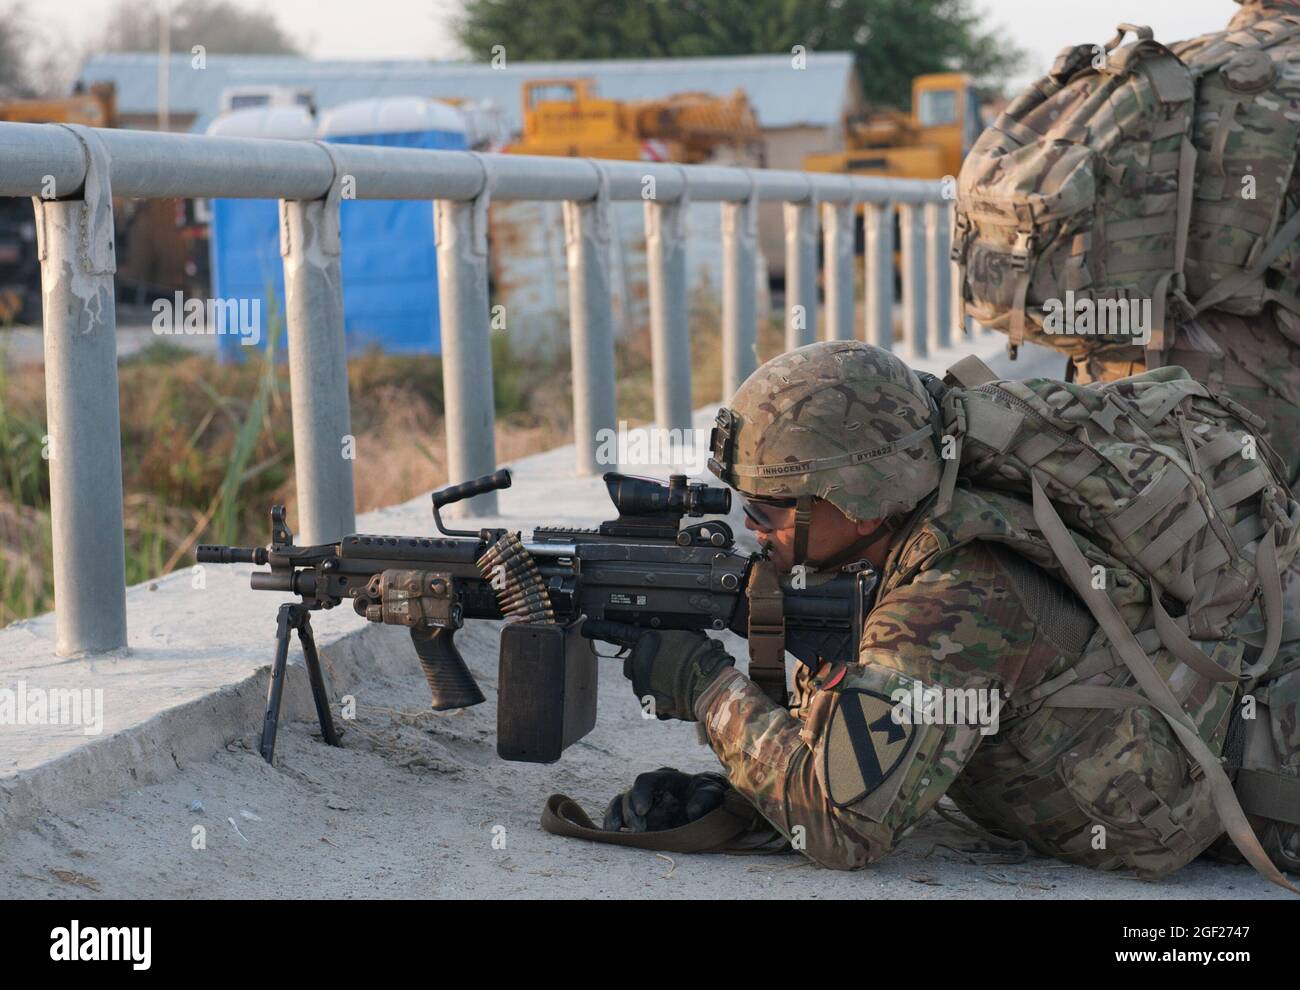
point(665, 798)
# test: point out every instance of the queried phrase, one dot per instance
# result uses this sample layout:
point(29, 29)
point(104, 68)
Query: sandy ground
point(415, 803)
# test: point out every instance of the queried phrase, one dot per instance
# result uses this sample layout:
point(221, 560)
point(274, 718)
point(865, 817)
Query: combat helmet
point(838, 420)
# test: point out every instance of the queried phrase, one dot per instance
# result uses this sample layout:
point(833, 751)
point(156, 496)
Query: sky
point(419, 28)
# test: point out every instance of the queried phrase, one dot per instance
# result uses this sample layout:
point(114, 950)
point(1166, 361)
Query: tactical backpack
point(1130, 189)
point(1154, 499)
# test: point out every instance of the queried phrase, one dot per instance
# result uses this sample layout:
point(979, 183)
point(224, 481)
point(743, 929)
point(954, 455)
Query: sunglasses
point(769, 513)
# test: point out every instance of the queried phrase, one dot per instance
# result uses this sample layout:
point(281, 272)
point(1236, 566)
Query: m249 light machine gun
point(644, 570)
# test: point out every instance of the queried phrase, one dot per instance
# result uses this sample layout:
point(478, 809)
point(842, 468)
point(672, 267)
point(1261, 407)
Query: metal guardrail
point(72, 172)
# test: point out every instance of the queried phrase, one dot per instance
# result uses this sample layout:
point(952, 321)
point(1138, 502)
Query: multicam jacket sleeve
point(845, 788)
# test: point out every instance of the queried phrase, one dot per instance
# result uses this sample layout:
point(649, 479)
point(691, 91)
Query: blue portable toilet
point(390, 274)
point(244, 237)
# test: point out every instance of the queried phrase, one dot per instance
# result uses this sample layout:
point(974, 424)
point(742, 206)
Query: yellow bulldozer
point(928, 143)
point(565, 117)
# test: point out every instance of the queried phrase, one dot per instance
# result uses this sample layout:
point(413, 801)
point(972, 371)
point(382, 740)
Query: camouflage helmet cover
point(840, 420)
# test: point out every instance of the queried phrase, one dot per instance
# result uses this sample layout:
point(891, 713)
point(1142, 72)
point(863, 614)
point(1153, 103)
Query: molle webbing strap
point(1142, 509)
point(767, 631)
point(1167, 128)
point(1270, 588)
point(1174, 539)
point(1216, 215)
point(1183, 646)
point(712, 833)
point(836, 461)
point(954, 407)
point(969, 372)
point(1096, 662)
point(1218, 450)
point(1083, 465)
point(1249, 530)
point(1240, 488)
point(1126, 230)
point(1154, 691)
point(1202, 366)
point(1019, 309)
point(1270, 795)
point(1036, 446)
point(1234, 283)
point(1212, 181)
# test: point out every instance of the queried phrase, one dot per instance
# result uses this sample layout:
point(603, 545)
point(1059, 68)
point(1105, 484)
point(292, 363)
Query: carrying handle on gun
point(487, 483)
point(456, 493)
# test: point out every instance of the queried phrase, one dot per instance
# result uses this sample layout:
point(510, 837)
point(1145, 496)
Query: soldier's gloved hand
point(665, 798)
point(672, 666)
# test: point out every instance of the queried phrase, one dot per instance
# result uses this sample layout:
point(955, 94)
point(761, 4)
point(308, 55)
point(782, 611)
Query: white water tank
point(391, 115)
point(265, 122)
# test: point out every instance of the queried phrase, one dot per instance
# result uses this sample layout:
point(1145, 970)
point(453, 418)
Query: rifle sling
point(767, 631)
point(714, 832)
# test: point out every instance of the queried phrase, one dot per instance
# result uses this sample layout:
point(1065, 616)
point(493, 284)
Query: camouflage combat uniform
point(959, 610)
point(981, 617)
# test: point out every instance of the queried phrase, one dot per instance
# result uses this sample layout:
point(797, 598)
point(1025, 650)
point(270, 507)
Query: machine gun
point(643, 569)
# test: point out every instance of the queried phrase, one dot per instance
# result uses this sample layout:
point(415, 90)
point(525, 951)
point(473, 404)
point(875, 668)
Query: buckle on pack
point(1025, 244)
point(1026, 237)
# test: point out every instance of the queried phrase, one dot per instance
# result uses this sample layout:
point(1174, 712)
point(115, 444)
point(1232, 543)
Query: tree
point(218, 25)
point(893, 40)
point(14, 37)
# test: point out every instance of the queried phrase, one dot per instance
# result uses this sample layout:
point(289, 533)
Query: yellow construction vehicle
point(19, 265)
point(928, 143)
point(565, 117)
point(94, 107)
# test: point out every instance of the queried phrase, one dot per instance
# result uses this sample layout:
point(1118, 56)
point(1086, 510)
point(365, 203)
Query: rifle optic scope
point(641, 496)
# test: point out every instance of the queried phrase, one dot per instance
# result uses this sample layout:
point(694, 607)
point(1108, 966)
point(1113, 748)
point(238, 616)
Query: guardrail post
point(470, 413)
point(739, 293)
point(800, 273)
point(323, 445)
point(879, 262)
point(938, 274)
point(837, 254)
point(591, 323)
point(75, 245)
point(912, 251)
point(670, 331)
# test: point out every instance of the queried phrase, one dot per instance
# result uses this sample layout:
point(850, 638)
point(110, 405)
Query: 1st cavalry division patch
point(864, 746)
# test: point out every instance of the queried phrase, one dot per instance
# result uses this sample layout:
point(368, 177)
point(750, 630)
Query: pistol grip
point(450, 681)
